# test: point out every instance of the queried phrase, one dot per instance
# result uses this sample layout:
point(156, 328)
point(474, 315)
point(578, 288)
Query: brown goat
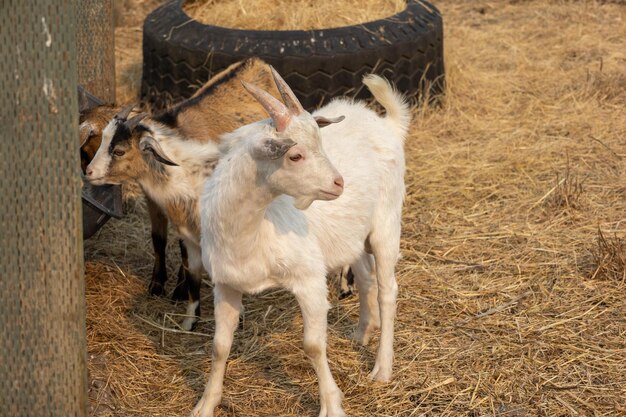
point(92, 122)
point(131, 152)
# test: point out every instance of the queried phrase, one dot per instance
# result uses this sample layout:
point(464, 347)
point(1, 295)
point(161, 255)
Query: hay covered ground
point(512, 282)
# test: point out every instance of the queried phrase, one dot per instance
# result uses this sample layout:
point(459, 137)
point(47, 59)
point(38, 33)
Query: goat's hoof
point(330, 404)
point(332, 411)
point(199, 412)
point(361, 337)
point(339, 413)
point(380, 374)
point(156, 288)
point(345, 293)
point(204, 408)
point(189, 323)
point(363, 334)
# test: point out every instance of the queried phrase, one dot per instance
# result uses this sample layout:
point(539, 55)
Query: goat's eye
point(295, 157)
point(119, 152)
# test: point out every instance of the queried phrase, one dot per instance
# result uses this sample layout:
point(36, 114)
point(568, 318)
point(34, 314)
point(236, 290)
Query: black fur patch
point(183, 252)
point(142, 128)
point(122, 134)
point(168, 117)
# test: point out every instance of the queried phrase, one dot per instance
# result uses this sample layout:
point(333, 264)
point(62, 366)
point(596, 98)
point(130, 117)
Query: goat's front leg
point(227, 306)
point(314, 305)
point(194, 281)
point(158, 223)
point(181, 292)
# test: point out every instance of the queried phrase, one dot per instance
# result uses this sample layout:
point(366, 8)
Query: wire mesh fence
point(95, 47)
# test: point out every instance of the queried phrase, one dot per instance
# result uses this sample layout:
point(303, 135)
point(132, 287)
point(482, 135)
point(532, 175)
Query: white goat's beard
point(302, 203)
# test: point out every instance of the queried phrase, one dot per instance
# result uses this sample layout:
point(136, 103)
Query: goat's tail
point(394, 103)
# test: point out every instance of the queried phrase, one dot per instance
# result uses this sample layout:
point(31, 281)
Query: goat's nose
point(339, 181)
point(89, 172)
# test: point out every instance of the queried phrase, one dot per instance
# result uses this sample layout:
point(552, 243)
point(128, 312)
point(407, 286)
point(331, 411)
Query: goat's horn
point(150, 145)
point(286, 93)
point(123, 114)
point(134, 121)
point(280, 114)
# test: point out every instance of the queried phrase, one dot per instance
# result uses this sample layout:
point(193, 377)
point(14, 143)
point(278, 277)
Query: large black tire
point(180, 54)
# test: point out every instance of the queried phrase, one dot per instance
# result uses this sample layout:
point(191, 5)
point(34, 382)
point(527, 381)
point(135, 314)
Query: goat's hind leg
point(386, 248)
point(369, 315)
point(346, 282)
point(227, 307)
point(194, 281)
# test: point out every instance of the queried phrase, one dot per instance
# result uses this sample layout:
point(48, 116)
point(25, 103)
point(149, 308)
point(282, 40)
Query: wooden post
point(42, 303)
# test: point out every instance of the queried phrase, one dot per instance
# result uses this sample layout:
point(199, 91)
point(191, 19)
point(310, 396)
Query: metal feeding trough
point(100, 202)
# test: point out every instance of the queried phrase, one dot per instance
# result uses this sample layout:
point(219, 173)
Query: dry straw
point(290, 14)
point(512, 293)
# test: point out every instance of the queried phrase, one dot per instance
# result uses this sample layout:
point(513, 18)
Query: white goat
point(261, 226)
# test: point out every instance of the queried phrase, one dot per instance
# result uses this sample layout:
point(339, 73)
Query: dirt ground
point(513, 276)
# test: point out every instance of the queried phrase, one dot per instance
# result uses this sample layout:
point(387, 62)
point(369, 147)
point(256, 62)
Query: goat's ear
point(325, 121)
point(148, 145)
point(85, 132)
point(83, 100)
point(272, 148)
point(87, 101)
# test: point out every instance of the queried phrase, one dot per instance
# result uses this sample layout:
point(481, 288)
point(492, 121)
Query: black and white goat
point(170, 155)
